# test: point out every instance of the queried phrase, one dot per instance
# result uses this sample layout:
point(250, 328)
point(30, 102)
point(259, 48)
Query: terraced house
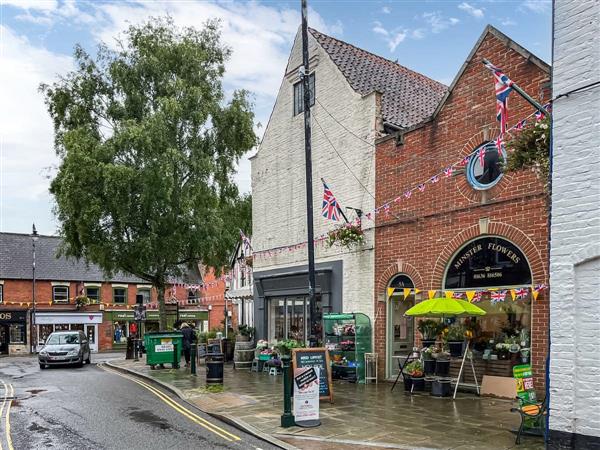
point(356, 98)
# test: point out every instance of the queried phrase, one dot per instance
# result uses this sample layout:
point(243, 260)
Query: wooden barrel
point(243, 355)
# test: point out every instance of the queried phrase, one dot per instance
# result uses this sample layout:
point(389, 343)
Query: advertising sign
point(306, 396)
point(524, 377)
point(166, 345)
point(318, 358)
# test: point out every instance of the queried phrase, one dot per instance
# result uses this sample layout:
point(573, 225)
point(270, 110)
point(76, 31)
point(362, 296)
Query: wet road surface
point(94, 407)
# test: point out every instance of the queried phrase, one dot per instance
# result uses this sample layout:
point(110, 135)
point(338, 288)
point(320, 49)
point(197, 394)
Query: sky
point(37, 38)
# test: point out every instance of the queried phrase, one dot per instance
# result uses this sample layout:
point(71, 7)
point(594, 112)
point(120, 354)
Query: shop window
point(487, 175)
point(119, 295)
point(17, 333)
point(93, 293)
point(289, 318)
point(60, 294)
point(192, 296)
point(1, 293)
point(45, 331)
point(142, 297)
point(299, 94)
point(120, 333)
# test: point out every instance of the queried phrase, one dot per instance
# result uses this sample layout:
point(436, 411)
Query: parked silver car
point(65, 347)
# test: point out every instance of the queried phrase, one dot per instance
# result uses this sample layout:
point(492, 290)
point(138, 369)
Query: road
point(94, 407)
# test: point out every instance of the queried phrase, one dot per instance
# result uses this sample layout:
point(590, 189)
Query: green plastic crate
point(160, 347)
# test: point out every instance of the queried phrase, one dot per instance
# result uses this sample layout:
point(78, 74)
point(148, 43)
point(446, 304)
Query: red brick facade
point(213, 296)
point(432, 225)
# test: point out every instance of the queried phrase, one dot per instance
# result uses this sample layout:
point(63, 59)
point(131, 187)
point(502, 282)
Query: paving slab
point(369, 415)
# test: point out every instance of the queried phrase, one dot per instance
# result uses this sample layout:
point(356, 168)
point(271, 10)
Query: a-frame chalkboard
point(316, 357)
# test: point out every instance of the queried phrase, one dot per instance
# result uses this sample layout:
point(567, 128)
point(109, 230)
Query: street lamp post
point(34, 238)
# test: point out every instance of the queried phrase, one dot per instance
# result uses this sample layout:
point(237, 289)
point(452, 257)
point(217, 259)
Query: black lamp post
point(34, 238)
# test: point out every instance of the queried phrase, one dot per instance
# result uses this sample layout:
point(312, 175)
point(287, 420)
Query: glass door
point(297, 318)
point(90, 332)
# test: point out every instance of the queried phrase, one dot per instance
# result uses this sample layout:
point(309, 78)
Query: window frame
point(60, 286)
point(139, 292)
point(298, 94)
point(97, 300)
point(23, 331)
point(124, 302)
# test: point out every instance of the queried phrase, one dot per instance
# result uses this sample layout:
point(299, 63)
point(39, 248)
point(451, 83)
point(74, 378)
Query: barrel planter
point(243, 354)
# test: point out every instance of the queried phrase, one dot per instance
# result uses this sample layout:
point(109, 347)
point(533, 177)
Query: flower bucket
point(456, 348)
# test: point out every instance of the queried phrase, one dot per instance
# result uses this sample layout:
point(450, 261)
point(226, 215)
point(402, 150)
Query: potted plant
point(284, 348)
point(81, 301)
point(442, 363)
point(502, 350)
point(429, 330)
point(348, 235)
point(415, 371)
point(428, 361)
point(244, 333)
point(525, 355)
point(455, 338)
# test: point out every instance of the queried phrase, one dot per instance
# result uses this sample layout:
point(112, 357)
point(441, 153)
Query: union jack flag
point(435, 179)
point(477, 297)
point(421, 187)
point(245, 240)
point(330, 204)
point(386, 209)
point(448, 171)
point(481, 156)
point(369, 216)
point(457, 295)
point(540, 287)
point(498, 296)
point(503, 86)
point(519, 126)
point(521, 293)
point(407, 194)
point(499, 144)
point(539, 115)
point(464, 161)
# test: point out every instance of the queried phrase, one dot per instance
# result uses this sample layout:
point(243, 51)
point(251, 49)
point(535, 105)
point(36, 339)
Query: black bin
point(214, 368)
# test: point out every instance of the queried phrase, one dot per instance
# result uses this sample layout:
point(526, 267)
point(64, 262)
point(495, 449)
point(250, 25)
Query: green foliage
point(429, 328)
point(245, 330)
point(530, 149)
point(455, 333)
point(414, 369)
point(346, 235)
point(285, 347)
point(148, 146)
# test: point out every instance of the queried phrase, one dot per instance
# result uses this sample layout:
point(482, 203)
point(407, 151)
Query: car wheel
point(42, 366)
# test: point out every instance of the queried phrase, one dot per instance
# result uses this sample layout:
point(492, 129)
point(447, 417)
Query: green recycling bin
point(161, 348)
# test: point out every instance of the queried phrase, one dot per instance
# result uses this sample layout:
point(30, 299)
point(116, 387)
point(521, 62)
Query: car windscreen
point(58, 339)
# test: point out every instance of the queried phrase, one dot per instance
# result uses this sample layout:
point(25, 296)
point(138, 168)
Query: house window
point(119, 295)
point(17, 333)
point(60, 294)
point(484, 169)
point(142, 297)
point(93, 293)
point(192, 297)
point(299, 94)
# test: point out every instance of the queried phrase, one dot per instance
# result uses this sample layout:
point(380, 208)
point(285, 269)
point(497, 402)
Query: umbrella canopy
point(442, 307)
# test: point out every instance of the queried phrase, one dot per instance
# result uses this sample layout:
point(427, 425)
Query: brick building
point(476, 230)
point(575, 248)
point(108, 317)
point(213, 298)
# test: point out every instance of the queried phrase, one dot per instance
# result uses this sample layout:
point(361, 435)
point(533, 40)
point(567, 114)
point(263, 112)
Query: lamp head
point(34, 233)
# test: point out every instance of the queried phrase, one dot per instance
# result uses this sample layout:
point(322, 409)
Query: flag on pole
point(503, 86)
point(481, 156)
point(330, 204)
point(245, 240)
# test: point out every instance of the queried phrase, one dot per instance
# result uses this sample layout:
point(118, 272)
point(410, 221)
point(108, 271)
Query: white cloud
point(437, 22)
point(386, 10)
point(37, 5)
point(418, 33)
point(537, 6)
point(27, 136)
point(470, 9)
point(43, 12)
point(508, 22)
point(392, 38)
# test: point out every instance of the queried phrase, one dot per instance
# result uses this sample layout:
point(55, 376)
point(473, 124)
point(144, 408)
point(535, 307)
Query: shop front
point(49, 322)
point(281, 307)
point(13, 332)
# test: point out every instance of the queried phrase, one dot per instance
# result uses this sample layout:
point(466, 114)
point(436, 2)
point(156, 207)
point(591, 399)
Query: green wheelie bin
point(163, 347)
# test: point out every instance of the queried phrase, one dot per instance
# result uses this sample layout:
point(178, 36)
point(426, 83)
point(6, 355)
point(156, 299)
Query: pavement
point(95, 407)
point(362, 416)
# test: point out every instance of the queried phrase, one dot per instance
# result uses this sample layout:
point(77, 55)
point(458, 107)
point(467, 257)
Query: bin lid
point(164, 334)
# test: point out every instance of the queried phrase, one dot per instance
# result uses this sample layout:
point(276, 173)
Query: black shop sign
point(13, 316)
point(488, 262)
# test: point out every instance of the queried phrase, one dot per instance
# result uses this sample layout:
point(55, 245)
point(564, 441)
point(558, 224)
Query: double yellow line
point(183, 411)
point(9, 392)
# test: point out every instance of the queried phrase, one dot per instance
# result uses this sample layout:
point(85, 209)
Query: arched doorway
point(497, 276)
point(400, 328)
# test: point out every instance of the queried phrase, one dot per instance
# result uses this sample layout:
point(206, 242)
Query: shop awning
point(53, 318)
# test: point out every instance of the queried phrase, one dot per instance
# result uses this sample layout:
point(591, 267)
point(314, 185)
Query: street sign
point(139, 313)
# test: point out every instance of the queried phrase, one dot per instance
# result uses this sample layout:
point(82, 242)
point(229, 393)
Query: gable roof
point(489, 29)
point(408, 97)
point(16, 260)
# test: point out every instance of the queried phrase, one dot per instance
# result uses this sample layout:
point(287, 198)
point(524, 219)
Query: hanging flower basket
point(347, 235)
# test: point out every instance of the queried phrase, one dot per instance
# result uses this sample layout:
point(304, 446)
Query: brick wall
point(431, 226)
point(278, 175)
point(214, 295)
point(575, 250)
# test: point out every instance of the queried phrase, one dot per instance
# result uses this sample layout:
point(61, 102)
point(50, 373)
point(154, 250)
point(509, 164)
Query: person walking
point(189, 337)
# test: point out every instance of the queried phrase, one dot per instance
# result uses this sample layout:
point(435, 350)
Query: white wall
point(278, 175)
point(575, 245)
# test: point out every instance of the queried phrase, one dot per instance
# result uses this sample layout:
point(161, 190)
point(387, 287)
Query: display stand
point(414, 355)
point(466, 354)
point(371, 367)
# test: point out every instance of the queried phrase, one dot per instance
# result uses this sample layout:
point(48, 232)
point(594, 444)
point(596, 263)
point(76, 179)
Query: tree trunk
point(162, 314)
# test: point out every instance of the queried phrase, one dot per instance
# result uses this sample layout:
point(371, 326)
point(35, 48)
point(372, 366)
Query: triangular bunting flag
point(449, 294)
point(417, 291)
point(390, 292)
point(534, 293)
point(407, 292)
point(431, 294)
point(513, 294)
point(470, 295)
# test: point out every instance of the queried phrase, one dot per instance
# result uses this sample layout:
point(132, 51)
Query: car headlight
point(73, 353)
point(43, 353)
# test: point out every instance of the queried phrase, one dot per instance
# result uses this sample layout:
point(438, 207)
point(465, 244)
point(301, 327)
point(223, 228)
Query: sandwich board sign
point(306, 396)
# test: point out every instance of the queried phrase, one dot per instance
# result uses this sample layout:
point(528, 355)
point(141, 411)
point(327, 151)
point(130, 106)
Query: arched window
point(401, 281)
point(488, 262)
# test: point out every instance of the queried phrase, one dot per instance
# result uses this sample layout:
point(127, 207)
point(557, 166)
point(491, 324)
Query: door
point(297, 318)
point(3, 339)
point(91, 333)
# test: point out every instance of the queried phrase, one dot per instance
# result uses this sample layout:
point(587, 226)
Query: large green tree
point(148, 146)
